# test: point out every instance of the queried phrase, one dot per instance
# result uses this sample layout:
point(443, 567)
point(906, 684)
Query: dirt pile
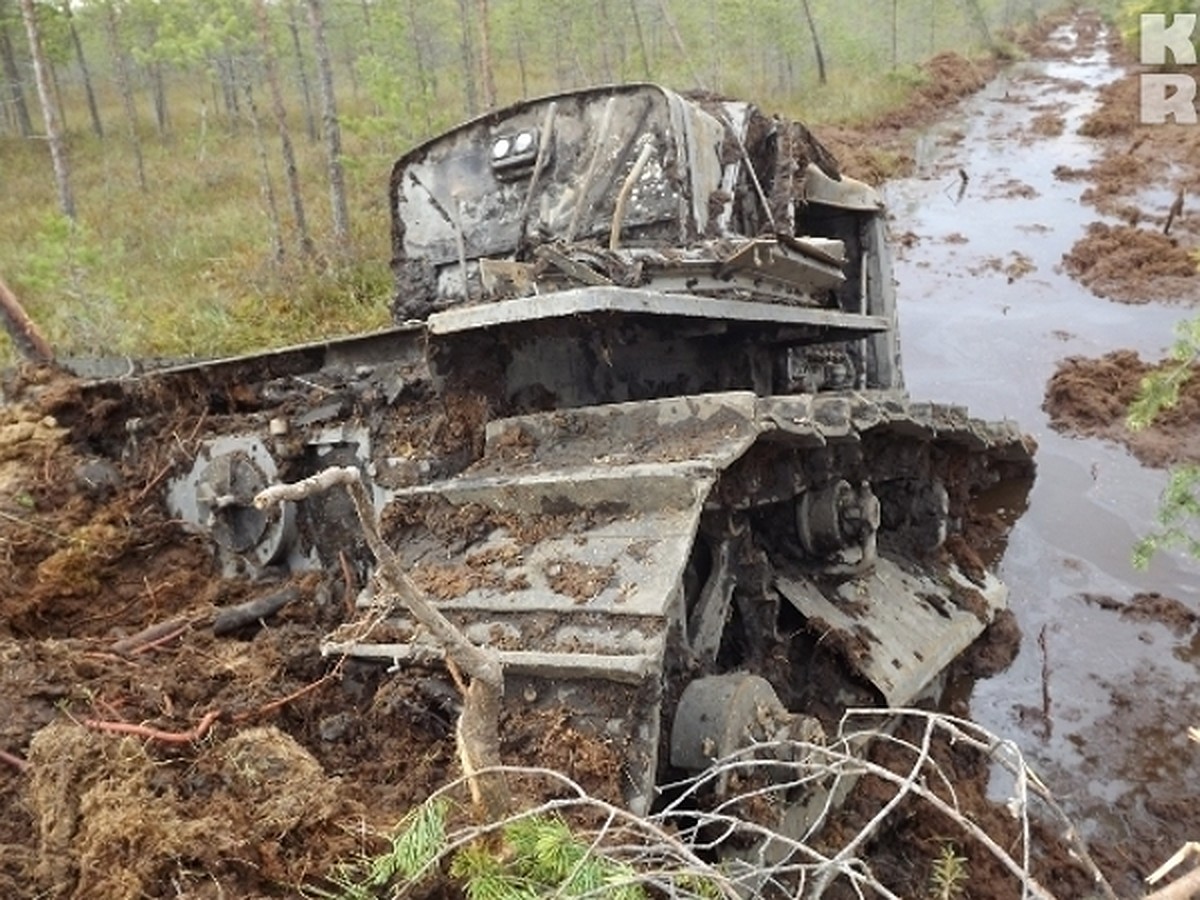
point(883, 148)
point(177, 756)
point(148, 745)
point(1092, 397)
point(1133, 265)
point(1148, 177)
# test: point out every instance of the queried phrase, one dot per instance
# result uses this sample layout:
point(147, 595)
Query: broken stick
point(13, 760)
point(160, 631)
point(232, 618)
point(24, 333)
point(156, 734)
point(479, 725)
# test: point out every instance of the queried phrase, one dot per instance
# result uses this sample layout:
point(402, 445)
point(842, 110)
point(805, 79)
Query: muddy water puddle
point(1099, 702)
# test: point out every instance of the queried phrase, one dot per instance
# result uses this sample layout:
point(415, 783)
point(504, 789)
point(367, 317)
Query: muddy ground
point(1064, 181)
point(184, 762)
point(1146, 185)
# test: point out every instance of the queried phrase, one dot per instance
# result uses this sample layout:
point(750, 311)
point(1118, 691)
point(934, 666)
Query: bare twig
point(1185, 887)
point(165, 470)
point(25, 335)
point(158, 642)
point(231, 618)
point(13, 760)
point(478, 726)
point(155, 734)
point(294, 695)
point(348, 579)
point(153, 635)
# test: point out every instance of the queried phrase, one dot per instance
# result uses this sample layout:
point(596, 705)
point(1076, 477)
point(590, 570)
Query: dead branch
point(478, 726)
point(158, 642)
point(294, 695)
point(155, 734)
point(154, 635)
point(1174, 212)
point(348, 579)
point(1184, 887)
point(24, 333)
point(13, 760)
point(232, 618)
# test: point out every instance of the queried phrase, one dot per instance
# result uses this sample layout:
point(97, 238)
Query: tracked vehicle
point(641, 428)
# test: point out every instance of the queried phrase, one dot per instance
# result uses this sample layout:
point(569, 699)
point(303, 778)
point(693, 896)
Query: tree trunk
point(895, 31)
point(12, 78)
point(522, 66)
point(93, 110)
point(333, 131)
point(641, 39)
point(158, 85)
point(812, 29)
point(468, 56)
point(125, 88)
point(424, 78)
point(677, 38)
point(58, 147)
point(222, 67)
point(58, 100)
point(285, 135)
point(485, 56)
point(266, 185)
point(310, 121)
point(975, 11)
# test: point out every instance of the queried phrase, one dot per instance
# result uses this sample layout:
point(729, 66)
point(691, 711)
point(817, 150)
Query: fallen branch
point(25, 335)
point(294, 695)
point(13, 760)
point(155, 734)
point(232, 618)
point(478, 726)
point(152, 636)
point(348, 578)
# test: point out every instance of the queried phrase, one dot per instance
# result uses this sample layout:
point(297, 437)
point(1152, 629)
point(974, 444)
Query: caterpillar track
point(641, 429)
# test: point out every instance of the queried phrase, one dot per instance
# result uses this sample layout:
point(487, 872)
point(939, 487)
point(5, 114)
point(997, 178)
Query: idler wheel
point(838, 517)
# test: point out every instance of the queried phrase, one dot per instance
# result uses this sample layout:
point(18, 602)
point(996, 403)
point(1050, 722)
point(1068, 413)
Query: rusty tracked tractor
point(696, 507)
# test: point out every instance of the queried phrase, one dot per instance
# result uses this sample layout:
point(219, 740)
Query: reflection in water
point(1100, 704)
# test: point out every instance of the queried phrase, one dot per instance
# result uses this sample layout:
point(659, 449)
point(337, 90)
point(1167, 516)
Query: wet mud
point(152, 746)
point(1092, 397)
point(1100, 692)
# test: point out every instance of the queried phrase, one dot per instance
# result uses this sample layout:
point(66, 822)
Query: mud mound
point(1133, 265)
point(1092, 397)
point(1117, 113)
point(113, 822)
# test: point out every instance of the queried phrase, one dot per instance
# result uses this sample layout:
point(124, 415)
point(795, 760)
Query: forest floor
point(149, 753)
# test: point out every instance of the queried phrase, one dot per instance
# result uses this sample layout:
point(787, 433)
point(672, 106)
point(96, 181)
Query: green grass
point(185, 268)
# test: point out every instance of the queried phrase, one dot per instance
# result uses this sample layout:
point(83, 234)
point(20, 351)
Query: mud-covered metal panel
point(472, 193)
point(897, 628)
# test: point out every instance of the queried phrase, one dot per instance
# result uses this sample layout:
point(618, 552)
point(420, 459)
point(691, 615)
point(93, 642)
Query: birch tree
point(50, 113)
point(291, 172)
point(93, 109)
point(333, 133)
point(125, 87)
point(13, 88)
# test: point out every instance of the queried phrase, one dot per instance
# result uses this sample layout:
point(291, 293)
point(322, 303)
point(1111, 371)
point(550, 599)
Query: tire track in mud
point(1005, 190)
